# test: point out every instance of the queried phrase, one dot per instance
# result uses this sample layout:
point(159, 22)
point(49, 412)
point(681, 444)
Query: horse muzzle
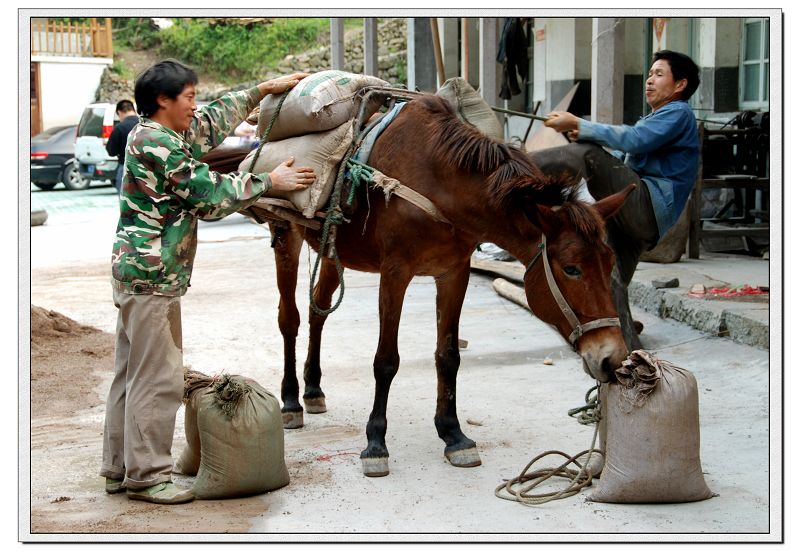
point(602, 352)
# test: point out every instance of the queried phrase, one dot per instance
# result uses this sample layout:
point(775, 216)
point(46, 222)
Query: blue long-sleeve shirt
point(662, 148)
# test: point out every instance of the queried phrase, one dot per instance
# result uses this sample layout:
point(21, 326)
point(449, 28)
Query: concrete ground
point(511, 403)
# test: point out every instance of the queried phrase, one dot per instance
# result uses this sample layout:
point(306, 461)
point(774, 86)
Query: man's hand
point(286, 178)
point(279, 85)
point(563, 122)
point(252, 118)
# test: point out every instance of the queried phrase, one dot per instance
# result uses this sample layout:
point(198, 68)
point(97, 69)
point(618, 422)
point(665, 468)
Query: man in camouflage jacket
point(165, 189)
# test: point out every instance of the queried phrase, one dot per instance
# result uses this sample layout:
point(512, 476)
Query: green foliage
point(136, 33)
point(238, 52)
point(121, 69)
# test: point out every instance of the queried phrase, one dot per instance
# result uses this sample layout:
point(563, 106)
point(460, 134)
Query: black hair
point(124, 106)
point(167, 77)
point(683, 68)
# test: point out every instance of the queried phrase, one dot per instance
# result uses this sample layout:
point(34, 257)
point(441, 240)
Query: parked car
point(94, 129)
point(53, 159)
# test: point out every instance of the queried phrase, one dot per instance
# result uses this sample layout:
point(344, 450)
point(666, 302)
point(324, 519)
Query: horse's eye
point(572, 271)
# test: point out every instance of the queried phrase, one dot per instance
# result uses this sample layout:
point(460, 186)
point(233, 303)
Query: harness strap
point(560, 301)
point(578, 329)
point(393, 186)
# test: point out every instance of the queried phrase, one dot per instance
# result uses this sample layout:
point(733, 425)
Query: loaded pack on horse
point(454, 188)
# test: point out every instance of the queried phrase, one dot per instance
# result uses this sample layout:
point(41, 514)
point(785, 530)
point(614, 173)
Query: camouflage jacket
point(165, 189)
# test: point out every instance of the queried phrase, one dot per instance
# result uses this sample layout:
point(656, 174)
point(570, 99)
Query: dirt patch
point(69, 363)
point(65, 357)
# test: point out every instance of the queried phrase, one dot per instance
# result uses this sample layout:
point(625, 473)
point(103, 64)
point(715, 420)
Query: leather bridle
point(578, 329)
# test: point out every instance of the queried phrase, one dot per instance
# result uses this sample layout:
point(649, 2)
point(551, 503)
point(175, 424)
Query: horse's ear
point(610, 205)
point(541, 216)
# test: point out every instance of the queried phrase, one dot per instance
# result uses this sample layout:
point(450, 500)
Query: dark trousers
point(118, 180)
point(631, 231)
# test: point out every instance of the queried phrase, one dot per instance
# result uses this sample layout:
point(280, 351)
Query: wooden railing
point(92, 39)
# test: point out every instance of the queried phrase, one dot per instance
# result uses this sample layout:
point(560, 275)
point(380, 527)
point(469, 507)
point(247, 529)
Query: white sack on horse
point(322, 151)
point(470, 107)
point(321, 101)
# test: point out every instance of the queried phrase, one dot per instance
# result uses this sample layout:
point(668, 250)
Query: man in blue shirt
point(660, 154)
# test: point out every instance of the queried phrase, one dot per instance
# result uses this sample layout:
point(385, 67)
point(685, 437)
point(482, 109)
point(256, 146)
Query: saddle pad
point(362, 153)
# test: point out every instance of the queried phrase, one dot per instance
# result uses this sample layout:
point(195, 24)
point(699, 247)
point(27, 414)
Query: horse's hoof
point(375, 467)
point(292, 419)
point(315, 405)
point(464, 458)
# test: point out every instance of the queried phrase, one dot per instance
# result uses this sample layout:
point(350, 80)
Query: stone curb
point(748, 324)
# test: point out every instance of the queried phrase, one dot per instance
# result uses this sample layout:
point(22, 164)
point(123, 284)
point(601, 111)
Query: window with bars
point(754, 70)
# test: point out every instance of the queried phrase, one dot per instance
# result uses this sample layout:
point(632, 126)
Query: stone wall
point(391, 53)
point(391, 64)
point(113, 88)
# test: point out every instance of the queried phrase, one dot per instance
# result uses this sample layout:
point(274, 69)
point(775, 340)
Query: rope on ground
point(520, 488)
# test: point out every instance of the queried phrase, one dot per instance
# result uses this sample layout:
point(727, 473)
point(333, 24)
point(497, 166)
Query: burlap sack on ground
point(652, 435)
point(241, 440)
point(322, 151)
point(194, 383)
point(470, 107)
point(321, 101)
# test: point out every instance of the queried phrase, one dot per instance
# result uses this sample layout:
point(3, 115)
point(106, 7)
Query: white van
point(94, 129)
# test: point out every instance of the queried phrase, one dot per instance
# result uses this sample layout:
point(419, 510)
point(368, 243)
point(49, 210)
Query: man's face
point(178, 113)
point(661, 88)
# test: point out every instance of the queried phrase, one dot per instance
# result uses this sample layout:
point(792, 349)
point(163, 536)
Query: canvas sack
point(240, 432)
point(322, 151)
point(193, 383)
point(471, 107)
point(652, 435)
point(321, 101)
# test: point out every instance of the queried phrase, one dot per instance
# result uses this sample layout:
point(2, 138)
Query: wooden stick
point(511, 292)
point(437, 50)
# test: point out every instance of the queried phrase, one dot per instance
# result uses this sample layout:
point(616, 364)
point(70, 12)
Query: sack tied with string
point(323, 152)
point(321, 101)
point(471, 107)
point(652, 435)
point(234, 436)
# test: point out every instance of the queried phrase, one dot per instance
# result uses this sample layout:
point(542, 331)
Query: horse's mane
point(512, 174)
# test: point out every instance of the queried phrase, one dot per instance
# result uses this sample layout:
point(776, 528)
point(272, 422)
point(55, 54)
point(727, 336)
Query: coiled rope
point(520, 488)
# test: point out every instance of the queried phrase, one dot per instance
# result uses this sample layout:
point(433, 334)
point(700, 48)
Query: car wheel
point(72, 178)
point(44, 185)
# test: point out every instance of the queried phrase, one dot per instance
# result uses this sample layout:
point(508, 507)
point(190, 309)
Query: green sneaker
point(114, 486)
point(163, 493)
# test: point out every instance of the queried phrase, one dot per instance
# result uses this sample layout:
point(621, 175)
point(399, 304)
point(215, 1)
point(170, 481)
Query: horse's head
point(568, 281)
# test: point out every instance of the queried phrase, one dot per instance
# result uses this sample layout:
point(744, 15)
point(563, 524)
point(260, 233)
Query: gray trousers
point(146, 391)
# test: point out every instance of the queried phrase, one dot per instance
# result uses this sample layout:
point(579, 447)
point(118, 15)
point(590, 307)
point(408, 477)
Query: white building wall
point(560, 48)
point(68, 84)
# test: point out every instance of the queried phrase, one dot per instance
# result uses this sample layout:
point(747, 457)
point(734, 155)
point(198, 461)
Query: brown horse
point(489, 192)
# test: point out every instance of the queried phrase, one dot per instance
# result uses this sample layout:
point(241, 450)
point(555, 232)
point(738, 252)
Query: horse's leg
point(313, 397)
point(393, 285)
point(287, 243)
point(450, 291)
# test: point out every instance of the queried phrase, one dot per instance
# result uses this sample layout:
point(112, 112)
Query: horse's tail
point(224, 159)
